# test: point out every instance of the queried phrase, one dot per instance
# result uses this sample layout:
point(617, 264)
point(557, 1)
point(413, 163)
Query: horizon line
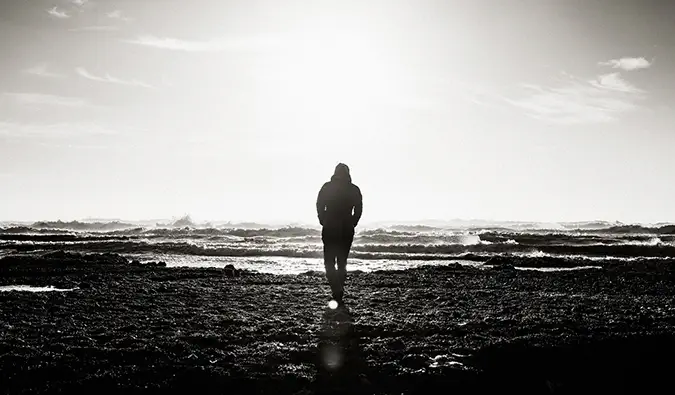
point(422, 222)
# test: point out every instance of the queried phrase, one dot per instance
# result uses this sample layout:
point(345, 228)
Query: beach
point(178, 178)
point(131, 327)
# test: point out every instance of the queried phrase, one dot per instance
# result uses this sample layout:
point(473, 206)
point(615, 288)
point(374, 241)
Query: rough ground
point(146, 329)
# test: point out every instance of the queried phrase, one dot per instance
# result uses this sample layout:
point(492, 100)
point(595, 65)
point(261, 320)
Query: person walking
point(339, 206)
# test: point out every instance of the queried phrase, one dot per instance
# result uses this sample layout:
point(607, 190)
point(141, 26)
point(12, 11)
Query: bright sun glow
point(321, 90)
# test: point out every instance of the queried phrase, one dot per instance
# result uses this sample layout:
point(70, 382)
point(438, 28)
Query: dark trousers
point(336, 246)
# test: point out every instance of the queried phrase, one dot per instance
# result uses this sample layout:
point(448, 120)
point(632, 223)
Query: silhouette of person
point(339, 206)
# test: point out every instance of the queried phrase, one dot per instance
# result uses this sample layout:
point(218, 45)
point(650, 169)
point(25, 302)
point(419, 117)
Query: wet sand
point(148, 329)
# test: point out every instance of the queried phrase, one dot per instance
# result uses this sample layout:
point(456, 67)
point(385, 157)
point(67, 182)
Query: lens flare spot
point(332, 305)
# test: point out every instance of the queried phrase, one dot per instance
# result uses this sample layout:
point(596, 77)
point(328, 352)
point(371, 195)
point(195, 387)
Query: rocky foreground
point(136, 328)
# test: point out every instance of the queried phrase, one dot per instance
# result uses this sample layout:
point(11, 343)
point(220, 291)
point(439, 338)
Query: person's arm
point(358, 206)
point(321, 204)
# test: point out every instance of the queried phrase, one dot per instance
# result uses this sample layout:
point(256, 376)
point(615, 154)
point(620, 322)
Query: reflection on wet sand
point(340, 364)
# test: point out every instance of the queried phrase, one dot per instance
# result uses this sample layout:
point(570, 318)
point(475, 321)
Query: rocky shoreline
point(127, 327)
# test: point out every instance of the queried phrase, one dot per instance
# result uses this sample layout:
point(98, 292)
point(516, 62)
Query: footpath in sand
point(132, 328)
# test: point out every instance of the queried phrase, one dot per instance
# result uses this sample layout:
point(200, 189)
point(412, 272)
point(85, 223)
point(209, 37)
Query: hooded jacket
point(339, 203)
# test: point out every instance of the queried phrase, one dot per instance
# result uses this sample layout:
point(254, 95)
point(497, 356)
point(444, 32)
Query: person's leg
point(329, 258)
point(342, 255)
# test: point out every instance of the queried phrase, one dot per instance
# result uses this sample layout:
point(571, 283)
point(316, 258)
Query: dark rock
point(415, 361)
point(397, 344)
point(230, 271)
point(156, 264)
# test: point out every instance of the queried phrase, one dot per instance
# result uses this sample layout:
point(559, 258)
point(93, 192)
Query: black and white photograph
point(390, 197)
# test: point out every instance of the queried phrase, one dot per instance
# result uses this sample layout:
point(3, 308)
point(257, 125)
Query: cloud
point(614, 81)
point(174, 44)
point(110, 79)
point(56, 13)
point(80, 3)
point(241, 44)
point(49, 100)
point(95, 28)
point(117, 14)
point(577, 101)
point(55, 130)
point(42, 71)
point(628, 64)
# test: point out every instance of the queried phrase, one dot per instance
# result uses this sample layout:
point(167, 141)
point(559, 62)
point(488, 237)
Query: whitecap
point(32, 288)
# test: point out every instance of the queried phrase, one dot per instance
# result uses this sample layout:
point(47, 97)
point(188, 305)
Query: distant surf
point(399, 245)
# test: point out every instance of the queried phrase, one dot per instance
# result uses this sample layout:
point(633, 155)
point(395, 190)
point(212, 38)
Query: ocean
point(297, 249)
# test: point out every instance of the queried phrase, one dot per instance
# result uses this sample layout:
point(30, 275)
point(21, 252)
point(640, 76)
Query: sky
point(547, 110)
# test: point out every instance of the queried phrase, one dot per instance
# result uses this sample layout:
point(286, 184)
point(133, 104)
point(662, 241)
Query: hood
point(341, 173)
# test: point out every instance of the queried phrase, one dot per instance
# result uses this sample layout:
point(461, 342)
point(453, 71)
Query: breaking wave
point(579, 245)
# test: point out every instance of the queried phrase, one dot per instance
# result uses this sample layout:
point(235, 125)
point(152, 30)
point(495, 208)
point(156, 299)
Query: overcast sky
point(240, 110)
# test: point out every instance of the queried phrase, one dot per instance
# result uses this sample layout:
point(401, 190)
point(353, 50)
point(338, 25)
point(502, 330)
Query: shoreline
point(148, 329)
